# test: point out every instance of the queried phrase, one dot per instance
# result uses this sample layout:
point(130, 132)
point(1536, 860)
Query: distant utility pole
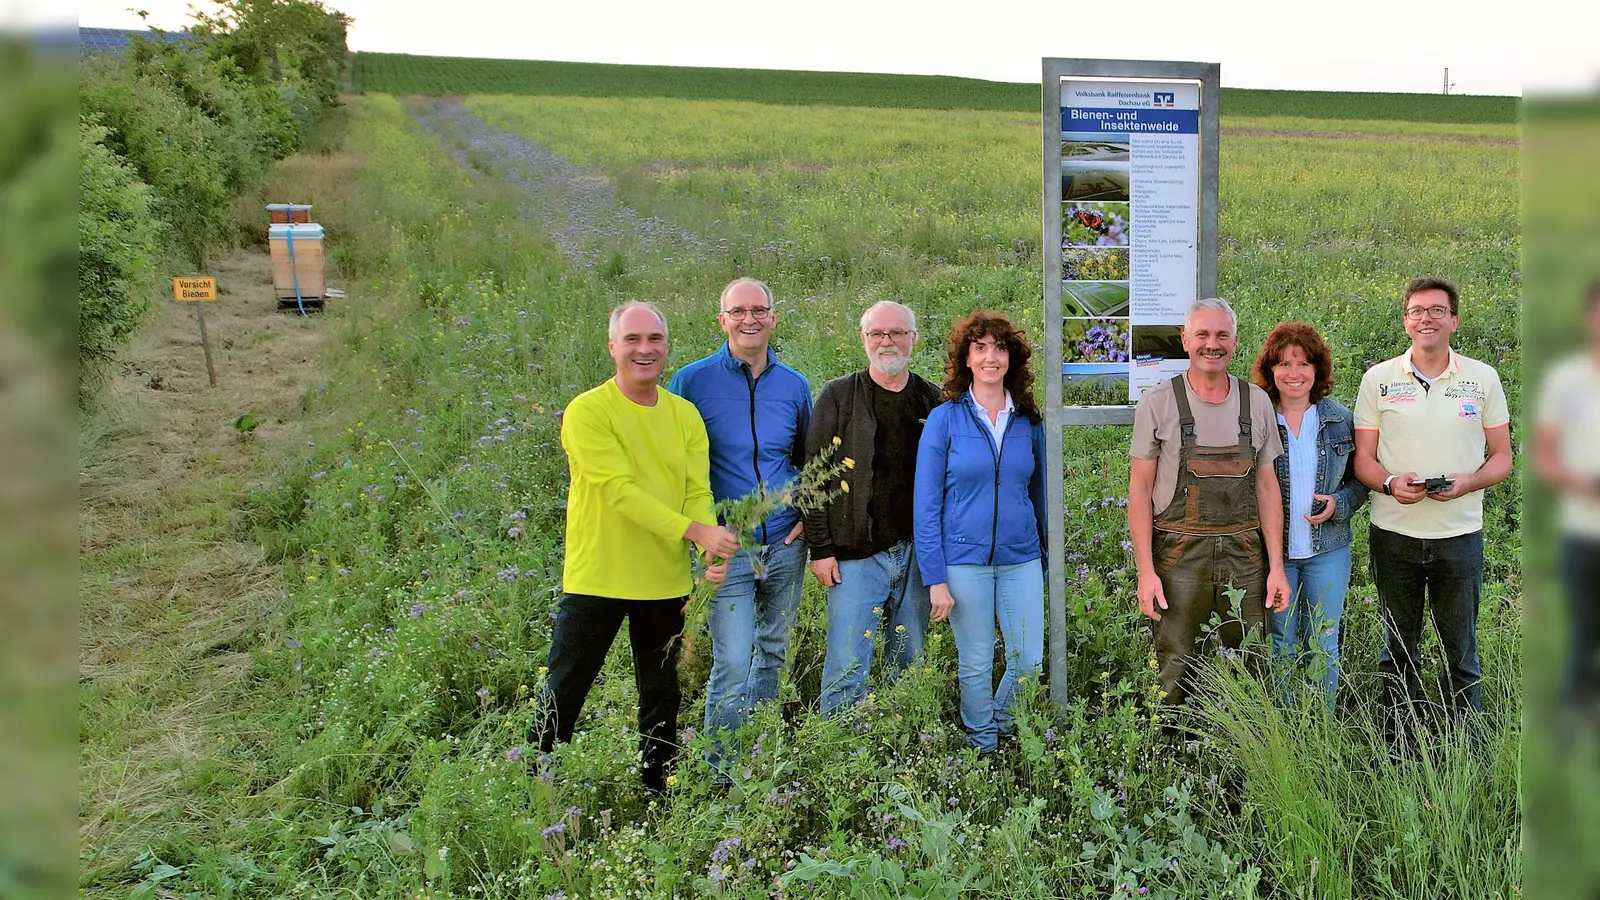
point(1447, 83)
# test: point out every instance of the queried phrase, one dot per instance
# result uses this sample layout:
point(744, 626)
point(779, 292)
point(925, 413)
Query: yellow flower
point(844, 485)
point(899, 629)
point(836, 441)
point(867, 633)
point(849, 463)
point(671, 780)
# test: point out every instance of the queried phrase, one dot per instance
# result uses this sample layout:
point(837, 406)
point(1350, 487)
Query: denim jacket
point(1336, 476)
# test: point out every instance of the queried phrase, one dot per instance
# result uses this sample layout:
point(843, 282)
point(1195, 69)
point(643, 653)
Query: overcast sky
point(1357, 45)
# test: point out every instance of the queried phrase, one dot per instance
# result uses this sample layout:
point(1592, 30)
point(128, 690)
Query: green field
point(397, 73)
point(383, 752)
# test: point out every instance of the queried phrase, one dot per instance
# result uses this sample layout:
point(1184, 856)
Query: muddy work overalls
point(1207, 540)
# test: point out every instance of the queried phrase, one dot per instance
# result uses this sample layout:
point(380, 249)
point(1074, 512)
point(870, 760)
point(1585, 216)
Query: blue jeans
point(1445, 576)
point(1306, 635)
point(1015, 596)
point(883, 592)
point(749, 622)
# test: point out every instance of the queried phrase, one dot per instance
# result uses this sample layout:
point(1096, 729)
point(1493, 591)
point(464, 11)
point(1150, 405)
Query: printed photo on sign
point(1094, 264)
point(1097, 299)
point(1094, 341)
point(1094, 181)
point(1157, 342)
point(1093, 147)
point(1094, 384)
point(1095, 225)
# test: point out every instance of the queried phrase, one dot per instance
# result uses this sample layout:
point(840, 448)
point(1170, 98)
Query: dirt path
point(173, 592)
point(579, 209)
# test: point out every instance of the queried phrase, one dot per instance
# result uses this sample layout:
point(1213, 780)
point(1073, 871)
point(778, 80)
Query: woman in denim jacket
point(1321, 494)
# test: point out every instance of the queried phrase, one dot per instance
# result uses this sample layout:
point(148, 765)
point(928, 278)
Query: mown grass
point(398, 73)
point(419, 541)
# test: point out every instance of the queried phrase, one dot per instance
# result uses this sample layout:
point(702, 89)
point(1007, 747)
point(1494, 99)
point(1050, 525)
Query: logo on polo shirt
point(1464, 389)
point(1398, 392)
point(1469, 407)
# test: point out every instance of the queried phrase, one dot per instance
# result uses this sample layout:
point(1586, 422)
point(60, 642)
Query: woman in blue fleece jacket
point(979, 516)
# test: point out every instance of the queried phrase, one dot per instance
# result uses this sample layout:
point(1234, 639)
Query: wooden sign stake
point(205, 343)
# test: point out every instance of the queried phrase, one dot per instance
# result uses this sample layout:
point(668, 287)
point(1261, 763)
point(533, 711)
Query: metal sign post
point(1130, 226)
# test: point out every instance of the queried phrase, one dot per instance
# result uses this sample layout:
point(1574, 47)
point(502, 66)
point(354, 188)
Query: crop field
point(398, 73)
point(383, 751)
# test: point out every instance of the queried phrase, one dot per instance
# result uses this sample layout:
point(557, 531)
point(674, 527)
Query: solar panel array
point(116, 40)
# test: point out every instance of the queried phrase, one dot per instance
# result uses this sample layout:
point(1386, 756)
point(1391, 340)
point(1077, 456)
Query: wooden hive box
point(304, 244)
point(285, 213)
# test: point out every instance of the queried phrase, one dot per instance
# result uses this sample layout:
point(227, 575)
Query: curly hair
point(1293, 334)
point(1019, 377)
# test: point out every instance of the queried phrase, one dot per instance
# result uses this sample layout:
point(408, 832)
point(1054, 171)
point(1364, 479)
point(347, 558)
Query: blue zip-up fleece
point(757, 427)
point(1336, 476)
point(974, 505)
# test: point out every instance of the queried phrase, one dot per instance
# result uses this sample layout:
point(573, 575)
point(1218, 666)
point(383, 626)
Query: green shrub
point(118, 241)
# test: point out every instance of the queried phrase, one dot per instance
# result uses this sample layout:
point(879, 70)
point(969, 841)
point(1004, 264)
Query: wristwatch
point(1387, 488)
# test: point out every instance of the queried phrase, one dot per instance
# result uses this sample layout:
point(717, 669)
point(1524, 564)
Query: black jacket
point(844, 410)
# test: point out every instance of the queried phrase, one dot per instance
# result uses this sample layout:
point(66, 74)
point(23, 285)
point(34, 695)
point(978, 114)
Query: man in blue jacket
point(756, 411)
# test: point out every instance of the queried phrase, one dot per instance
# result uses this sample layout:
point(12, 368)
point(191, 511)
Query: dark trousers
point(1445, 577)
point(1196, 572)
point(585, 628)
point(1580, 582)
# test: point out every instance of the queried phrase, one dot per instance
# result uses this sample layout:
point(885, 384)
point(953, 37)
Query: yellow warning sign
point(189, 290)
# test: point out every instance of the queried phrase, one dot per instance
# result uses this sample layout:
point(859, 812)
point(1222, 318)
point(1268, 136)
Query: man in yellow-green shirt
point(640, 492)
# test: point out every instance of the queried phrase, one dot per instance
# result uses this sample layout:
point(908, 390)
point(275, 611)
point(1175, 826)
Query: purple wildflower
point(514, 754)
point(726, 846)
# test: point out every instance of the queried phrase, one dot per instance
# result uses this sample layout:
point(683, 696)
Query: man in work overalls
point(1203, 503)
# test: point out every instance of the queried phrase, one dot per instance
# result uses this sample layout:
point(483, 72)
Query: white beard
point(890, 365)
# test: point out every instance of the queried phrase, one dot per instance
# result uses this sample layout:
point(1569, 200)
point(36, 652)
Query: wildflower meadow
point(381, 749)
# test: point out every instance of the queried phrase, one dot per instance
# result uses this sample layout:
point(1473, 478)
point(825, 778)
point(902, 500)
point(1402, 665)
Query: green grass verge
point(398, 73)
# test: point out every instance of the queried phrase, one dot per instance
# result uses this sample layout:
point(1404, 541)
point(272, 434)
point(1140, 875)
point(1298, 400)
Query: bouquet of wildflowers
point(813, 487)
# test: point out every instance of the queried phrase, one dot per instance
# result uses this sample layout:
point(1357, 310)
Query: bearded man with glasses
point(861, 544)
point(1432, 432)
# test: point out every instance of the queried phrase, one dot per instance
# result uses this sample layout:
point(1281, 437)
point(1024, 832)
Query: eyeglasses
point(755, 312)
point(894, 334)
point(1433, 312)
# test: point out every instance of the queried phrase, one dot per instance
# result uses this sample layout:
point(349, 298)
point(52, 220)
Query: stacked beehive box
point(296, 249)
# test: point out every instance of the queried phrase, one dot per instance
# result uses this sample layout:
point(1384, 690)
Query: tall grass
point(1339, 810)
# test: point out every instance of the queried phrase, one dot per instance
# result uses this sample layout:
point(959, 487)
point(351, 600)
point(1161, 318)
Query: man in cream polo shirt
point(1426, 414)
